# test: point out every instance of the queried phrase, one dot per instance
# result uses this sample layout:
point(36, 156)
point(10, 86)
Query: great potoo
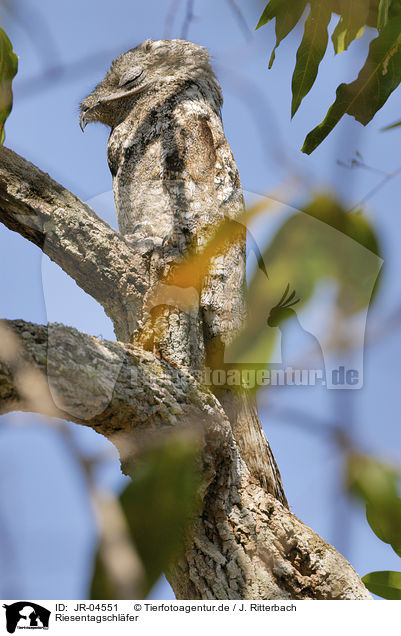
point(174, 176)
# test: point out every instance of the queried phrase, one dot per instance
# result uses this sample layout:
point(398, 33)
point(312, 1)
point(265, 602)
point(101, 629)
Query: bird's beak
point(84, 116)
point(82, 121)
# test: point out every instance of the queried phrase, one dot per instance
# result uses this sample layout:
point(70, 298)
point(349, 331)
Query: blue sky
point(45, 518)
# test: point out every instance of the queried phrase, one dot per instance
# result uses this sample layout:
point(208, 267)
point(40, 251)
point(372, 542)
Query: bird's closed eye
point(130, 77)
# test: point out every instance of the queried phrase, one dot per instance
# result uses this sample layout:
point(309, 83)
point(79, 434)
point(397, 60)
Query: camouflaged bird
point(174, 178)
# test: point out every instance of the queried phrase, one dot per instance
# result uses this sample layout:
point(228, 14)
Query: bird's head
point(154, 67)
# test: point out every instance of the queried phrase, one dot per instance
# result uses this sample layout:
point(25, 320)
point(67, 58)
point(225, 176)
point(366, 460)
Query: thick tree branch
point(119, 390)
point(73, 236)
point(246, 544)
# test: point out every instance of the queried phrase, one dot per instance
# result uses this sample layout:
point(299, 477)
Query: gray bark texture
point(245, 544)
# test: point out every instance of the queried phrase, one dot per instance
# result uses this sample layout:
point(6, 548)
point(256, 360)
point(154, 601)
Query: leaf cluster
point(380, 74)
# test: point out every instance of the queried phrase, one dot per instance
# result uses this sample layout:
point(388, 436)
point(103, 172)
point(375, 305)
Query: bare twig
point(358, 163)
point(36, 28)
point(117, 551)
point(389, 176)
point(189, 17)
point(240, 19)
point(65, 72)
point(171, 14)
point(116, 548)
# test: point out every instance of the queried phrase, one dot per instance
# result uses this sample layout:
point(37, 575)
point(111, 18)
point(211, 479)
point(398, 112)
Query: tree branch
point(246, 544)
point(73, 236)
point(119, 390)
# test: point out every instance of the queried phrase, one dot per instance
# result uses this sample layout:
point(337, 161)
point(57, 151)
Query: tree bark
point(246, 544)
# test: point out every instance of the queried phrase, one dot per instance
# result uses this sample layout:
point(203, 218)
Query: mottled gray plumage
point(174, 175)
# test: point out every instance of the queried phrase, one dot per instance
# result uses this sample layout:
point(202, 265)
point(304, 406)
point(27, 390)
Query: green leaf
point(386, 584)
point(310, 52)
point(384, 517)
point(394, 8)
point(382, 13)
point(379, 77)
point(287, 16)
point(351, 25)
point(375, 482)
point(397, 549)
point(8, 70)
point(271, 10)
